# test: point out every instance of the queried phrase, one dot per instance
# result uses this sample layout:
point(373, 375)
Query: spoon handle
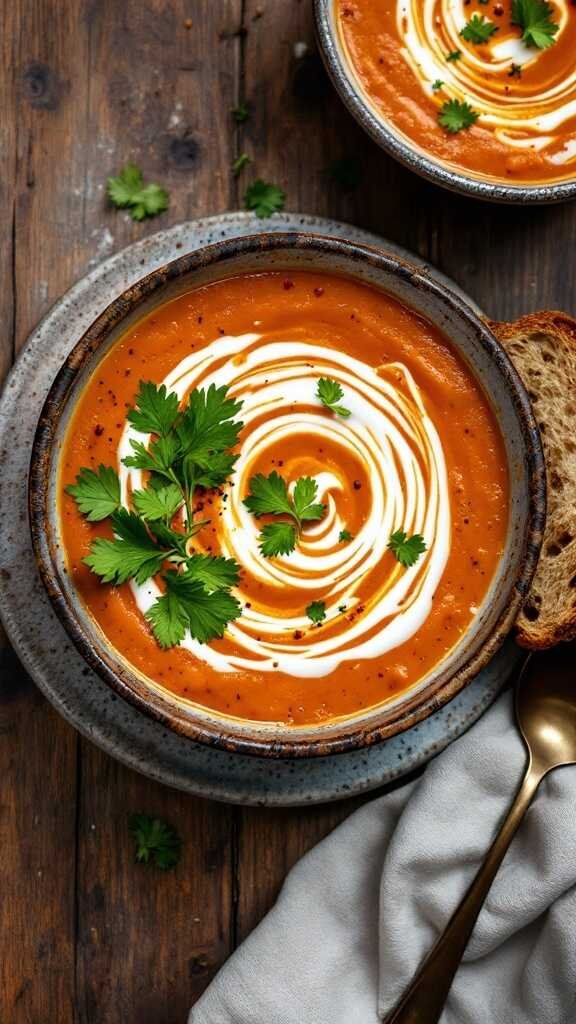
point(424, 1001)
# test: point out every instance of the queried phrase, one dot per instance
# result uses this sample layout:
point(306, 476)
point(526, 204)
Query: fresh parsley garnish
point(240, 113)
point(407, 549)
point(240, 162)
point(330, 393)
point(437, 84)
point(97, 492)
point(344, 535)
point(316, 612)
point(269, 495)
point(128, 191)
point(188, 604)
point(191, 448)
point(455, 115)
point(155, 841)
point(263, 198)
point(535, 19)
point(478, 29)
point(454, 55)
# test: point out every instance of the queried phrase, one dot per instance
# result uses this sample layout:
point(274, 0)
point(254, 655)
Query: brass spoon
point(546, 716)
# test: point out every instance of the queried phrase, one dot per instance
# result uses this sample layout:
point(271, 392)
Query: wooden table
point(85, 935)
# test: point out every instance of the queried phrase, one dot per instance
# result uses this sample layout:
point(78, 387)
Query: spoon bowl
point(546, 710)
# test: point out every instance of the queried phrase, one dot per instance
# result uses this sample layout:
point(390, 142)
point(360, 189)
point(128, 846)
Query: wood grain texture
point(87, 937)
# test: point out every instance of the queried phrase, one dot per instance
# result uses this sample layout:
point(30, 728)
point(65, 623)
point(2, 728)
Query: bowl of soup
point(480, 98)
point(287, 495)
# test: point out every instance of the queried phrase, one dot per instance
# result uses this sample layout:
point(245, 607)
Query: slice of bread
point(542, 346)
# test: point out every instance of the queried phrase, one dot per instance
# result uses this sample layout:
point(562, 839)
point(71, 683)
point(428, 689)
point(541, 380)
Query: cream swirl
point(533, 112)
point(390, 435)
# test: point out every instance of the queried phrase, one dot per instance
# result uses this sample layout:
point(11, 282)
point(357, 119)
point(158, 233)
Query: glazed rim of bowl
point(410, 286)
point(401, 147)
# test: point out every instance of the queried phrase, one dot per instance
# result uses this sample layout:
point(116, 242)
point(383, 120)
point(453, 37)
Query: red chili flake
point(357, 485)
point(288, 284)
point(318, 292)
point(98, 430)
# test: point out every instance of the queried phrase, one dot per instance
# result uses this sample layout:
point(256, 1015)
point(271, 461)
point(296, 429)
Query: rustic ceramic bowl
point(400, 146)
point(487, 360)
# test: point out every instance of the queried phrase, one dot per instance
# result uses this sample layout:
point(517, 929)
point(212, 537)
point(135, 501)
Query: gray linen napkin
point(358, 913)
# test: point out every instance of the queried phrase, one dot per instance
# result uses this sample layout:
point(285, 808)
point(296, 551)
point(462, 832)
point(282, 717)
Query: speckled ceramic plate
point(41, 643)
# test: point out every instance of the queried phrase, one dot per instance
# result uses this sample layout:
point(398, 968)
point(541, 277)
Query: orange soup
point(351, 585)
point(482, 88)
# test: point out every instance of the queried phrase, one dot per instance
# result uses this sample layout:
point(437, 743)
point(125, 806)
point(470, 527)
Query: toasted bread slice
point(542, 346)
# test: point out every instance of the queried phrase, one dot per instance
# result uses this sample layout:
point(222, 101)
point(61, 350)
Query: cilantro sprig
point(269, 495)
point(478, 29)
point(407, 550)
point(184, 449)
point(330, 393)
point(128, 191)
point(264, 198)
point(455, 115)
point(535, 19)
point(155, 841)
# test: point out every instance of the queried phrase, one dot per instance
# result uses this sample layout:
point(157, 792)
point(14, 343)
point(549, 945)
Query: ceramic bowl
point(486, 359)
point(400, 146)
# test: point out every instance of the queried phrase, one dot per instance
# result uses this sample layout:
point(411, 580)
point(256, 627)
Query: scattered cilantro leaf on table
point(264, 198)
point(241, 113)
point(316, 612)
point(454, 116)
point(240, 163)
point(127, 191)
point(330, 393)
point(155, 841)
point(535, 19)
point(407, 550)
point(97, 492)
point(478, 29)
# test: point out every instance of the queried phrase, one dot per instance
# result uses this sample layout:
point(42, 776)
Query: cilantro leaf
point(127, 191)
point(344, 535)
point(206, 425)
point(316, 612)
point(217, 473)
point(214, 572)
point(132, 552)
point(437, 84)
point(156, 410)
point(240, 163)
point(535, 18)
point(155, 841)
point(158, 503)
point(454, 116)
point(158, 458)
point(172, 539)
point(478, 30)
point(97, 493)
point(188, 605)
point(264, 198)
point(240, 113)
point(304, 498)
point(454, 55)
point(330, 394)
point(406, 549)
point(277, 538)
point(268, 494)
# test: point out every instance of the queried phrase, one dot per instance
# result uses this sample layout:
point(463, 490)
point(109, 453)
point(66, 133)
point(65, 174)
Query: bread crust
point(542, 347)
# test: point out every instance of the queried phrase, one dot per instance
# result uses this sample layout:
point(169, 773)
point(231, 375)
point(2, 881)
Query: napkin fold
point(359, 912)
